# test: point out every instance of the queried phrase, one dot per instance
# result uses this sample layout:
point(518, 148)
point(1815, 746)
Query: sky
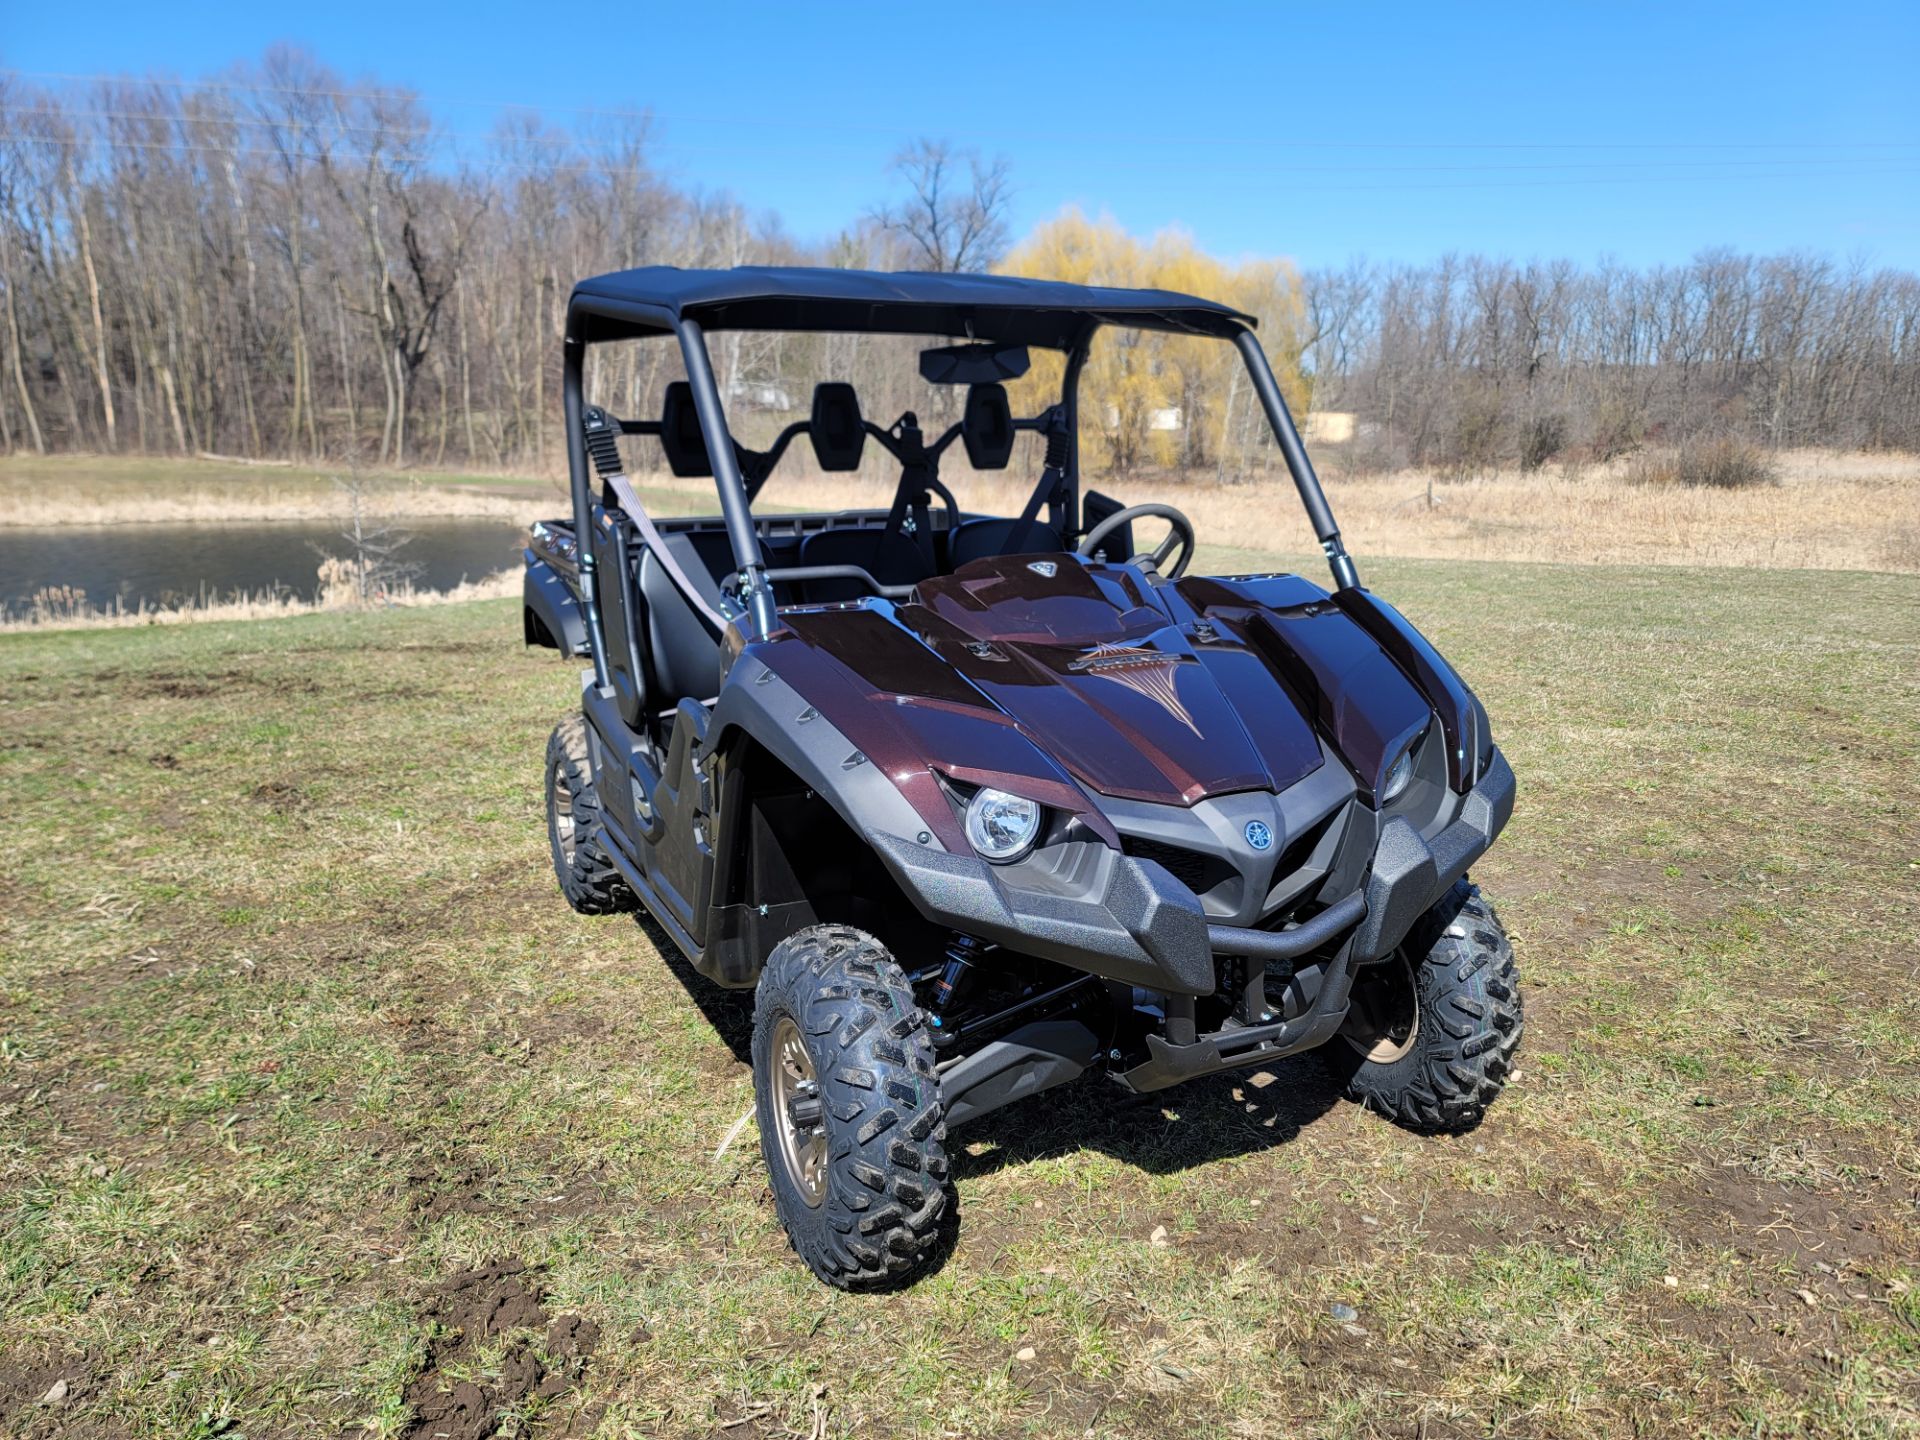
point(1641, 132)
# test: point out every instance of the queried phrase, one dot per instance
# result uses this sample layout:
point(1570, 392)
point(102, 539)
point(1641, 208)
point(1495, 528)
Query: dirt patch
point(485, 1190)
point(175, 686)
point(280, 796)
point(36, 1395)
point(500, 1298)
point(1762, 1220)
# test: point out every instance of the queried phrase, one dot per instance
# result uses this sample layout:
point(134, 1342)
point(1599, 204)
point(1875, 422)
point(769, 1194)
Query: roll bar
point(736, 489)
point(1319, 513)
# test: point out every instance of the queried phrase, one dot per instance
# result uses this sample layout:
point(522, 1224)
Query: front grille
point(1299, 850)
point(1189, 867)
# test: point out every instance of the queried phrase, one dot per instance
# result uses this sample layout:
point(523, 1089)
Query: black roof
point(1049, 313)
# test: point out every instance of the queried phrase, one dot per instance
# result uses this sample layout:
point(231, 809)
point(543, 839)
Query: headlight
point(1399, 775)
point(1000, 826)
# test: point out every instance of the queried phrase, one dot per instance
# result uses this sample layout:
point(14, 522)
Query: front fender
point(1083, 904)
point(759, 701)
point(1107, 914)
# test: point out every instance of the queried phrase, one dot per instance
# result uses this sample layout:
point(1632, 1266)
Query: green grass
point(294, 1026)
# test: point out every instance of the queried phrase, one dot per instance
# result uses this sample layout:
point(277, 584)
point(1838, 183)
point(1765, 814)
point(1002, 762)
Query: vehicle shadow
point(1163, 1133)
point(729, 1012)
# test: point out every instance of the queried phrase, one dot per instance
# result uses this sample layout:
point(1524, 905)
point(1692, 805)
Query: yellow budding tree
point(1150, 400)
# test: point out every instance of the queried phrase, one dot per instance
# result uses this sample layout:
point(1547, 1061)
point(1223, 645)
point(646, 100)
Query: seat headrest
point(986, 427)
point(839, 439)
point(680, 433)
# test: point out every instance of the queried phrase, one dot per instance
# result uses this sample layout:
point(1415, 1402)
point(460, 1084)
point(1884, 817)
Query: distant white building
point(1328, 427)
point(759, 395)
point(1164, 417)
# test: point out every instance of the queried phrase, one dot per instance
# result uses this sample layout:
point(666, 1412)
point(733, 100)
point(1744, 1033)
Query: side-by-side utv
point(979, 803)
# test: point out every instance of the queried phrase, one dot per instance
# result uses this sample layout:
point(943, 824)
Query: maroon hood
point(1166, 694)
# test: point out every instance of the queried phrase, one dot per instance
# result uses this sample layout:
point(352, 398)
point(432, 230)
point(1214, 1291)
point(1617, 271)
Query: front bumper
point(1129, 920)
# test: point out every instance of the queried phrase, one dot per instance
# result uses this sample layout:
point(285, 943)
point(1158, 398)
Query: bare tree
point(372, 566)
point(279, 263)
point(955, 213)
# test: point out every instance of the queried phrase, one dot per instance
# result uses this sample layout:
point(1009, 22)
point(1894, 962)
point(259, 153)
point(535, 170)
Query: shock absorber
point(956, 978)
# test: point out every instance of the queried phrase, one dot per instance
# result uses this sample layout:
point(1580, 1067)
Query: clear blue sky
point(1643, 131)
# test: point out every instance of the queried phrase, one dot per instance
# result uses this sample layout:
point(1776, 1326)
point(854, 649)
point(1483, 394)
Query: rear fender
point(550, 614)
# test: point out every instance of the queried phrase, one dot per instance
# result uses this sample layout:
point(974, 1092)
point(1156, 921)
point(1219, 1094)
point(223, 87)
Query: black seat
point(715, 549)
point(989, 535)
point(838, 434)
point(613, 547)
point(680, 434)
point(887, 555)
point(682, 650)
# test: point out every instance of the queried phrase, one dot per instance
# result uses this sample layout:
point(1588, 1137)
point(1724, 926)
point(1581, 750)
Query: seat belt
point(602, 436)
point(651, 537)
point(912, 486)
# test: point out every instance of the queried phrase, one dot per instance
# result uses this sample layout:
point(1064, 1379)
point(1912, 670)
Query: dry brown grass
point(1715, 464)
point(1829, 511)
point(66, 490)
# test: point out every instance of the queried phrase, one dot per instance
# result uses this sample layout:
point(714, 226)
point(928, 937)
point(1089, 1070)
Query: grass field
point(320, 1114)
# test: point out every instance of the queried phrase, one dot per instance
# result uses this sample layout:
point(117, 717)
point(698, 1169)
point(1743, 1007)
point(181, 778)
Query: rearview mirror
point(981, 364)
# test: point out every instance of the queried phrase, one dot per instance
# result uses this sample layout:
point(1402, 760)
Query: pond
point(168, 564)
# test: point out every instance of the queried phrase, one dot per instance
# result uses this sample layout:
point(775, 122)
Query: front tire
point(851, 1122)
point(576, 834)
point(1432, 1029)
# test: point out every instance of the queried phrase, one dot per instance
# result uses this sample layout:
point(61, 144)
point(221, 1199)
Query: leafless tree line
point(282, 264)
point(1472, 362)
point(277, 264)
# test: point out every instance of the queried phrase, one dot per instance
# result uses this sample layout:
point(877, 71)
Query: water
point(166, 564)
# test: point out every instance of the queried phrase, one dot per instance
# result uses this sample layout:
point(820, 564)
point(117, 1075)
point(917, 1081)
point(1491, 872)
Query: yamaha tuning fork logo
point(1259, 834)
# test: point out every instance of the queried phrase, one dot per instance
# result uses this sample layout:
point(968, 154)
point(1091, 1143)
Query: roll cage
point(686, 304)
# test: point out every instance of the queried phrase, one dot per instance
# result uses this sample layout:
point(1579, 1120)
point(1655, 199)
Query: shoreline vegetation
point(1816, 510)
point(65, 608)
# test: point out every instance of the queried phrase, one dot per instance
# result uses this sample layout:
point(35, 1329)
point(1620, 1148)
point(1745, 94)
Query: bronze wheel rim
point(799, 1120)
point(1383, 1019)
point(560, 801)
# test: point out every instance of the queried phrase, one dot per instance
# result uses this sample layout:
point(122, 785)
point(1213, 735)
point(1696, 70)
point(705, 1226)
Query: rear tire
point(1431, 1035)
point(851, 1122)
point(576, 834)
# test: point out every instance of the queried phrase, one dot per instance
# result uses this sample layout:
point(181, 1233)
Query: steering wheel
point(1180, 535)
